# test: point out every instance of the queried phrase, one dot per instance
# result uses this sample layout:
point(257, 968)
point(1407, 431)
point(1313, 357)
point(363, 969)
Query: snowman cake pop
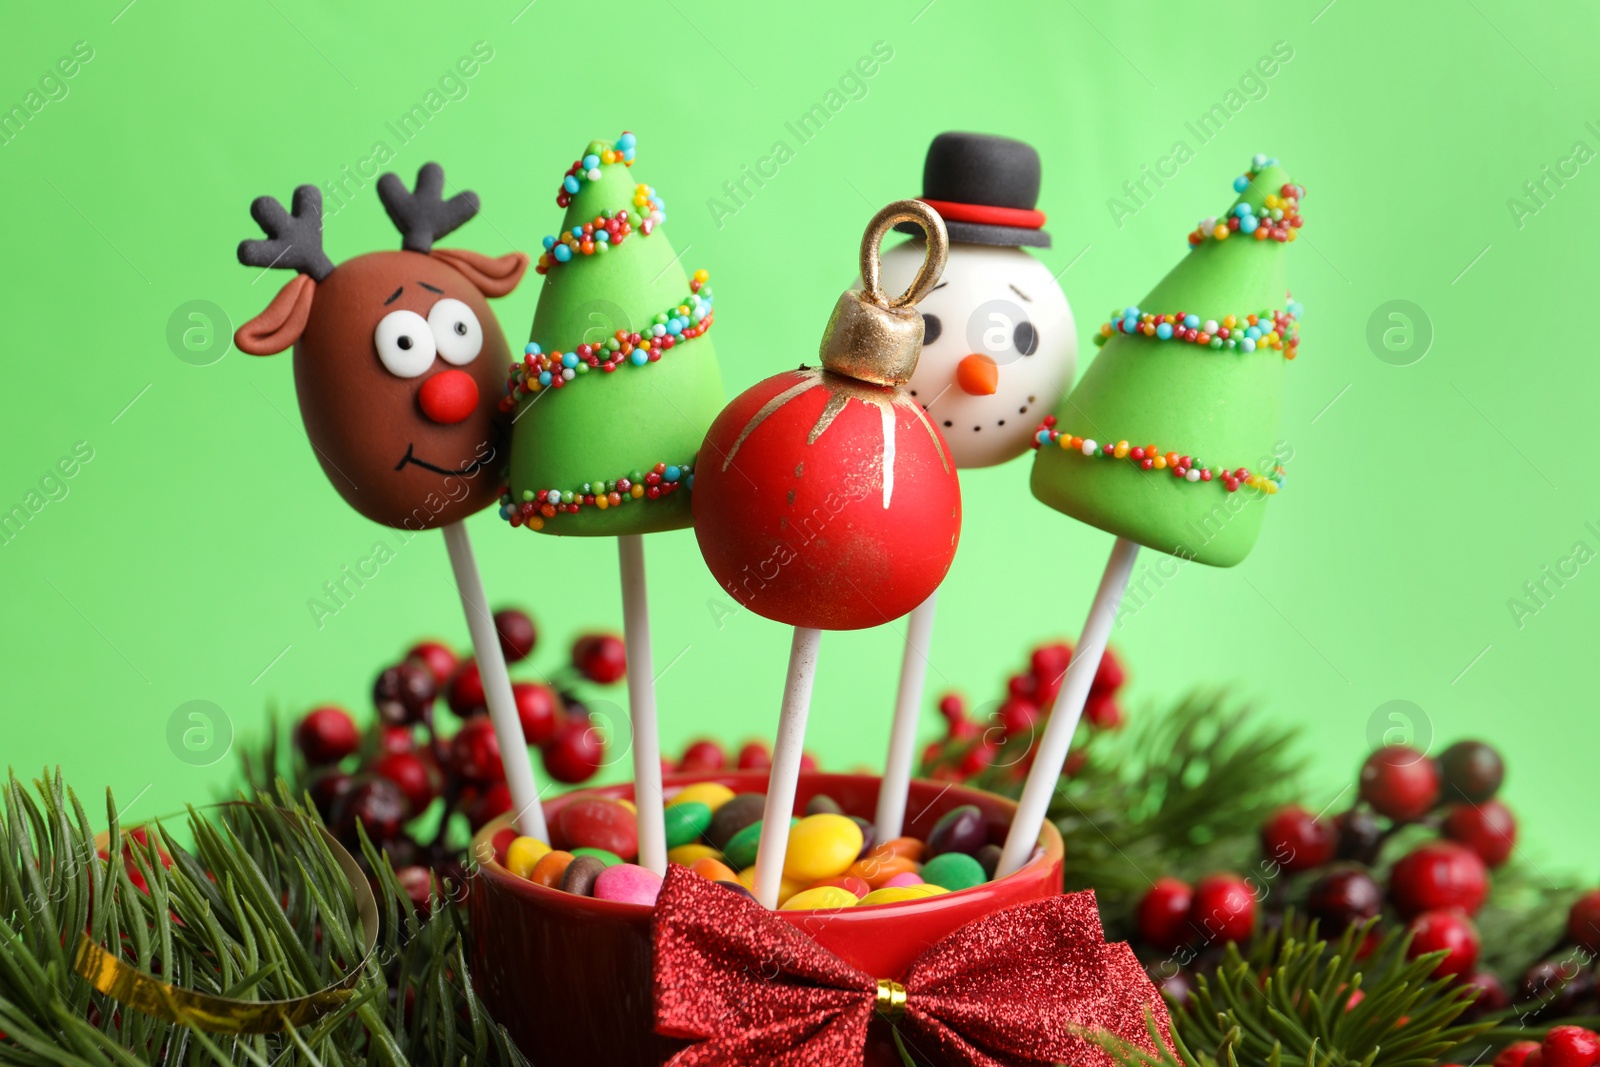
point(1000, 346)
point(998, 352)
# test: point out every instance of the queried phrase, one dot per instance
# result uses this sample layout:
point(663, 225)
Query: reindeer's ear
point(281, 324)
point(493, 277)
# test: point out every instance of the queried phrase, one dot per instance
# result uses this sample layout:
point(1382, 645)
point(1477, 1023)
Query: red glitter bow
point(1025, 985)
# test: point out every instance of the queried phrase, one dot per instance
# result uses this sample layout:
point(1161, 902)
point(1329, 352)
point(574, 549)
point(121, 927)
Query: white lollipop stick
point(784, 777)
point(1052, 754)
point(529, 813)
point(642, 706)
point(907, 709)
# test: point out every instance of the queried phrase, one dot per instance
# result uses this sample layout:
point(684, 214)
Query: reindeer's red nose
point(449, 396)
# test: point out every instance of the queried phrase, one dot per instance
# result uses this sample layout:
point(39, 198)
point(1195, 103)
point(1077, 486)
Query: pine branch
point(1290, 1001)
point(253, 907)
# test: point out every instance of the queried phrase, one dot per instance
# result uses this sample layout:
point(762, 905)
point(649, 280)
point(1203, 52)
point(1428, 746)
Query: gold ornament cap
point(871, 337)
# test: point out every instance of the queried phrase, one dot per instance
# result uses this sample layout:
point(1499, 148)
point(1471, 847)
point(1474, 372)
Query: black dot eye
point(1026, 338)
point(931, 328)
point(403, 342)
point(461, 329)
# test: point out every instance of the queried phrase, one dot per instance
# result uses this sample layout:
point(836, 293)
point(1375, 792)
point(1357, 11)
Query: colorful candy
point(958, 830)
point(523, 853)
point(598, 823)
point(537, 505)
point(953, 870)
point(628, 883)
point(1149, 457)
point(540, 370)
point(686, 822)
point(1269, 328)
point(821, 846)
point(580, 876)
point(1278, 220)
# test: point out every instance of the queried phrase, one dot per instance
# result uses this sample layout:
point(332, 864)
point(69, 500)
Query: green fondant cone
point(1223, 408)
point(600, 426)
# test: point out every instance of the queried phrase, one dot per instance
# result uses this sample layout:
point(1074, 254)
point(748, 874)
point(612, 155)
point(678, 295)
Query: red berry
point(475, 752)
point(417, 881)
point(489, 804)
point(1049, 662)
point(1489, 829)
point(1445, 930)
point(395, 739)
point(326, 788)
point(404, 693)
point(1344, 898)
point(1400, 782)
point(466, 691)
point(1439, 874)
point(1017, 715)
point(539, 709)
point(1570, 1046)
point(1110, 675)
point(601, 658)
point(1224, 908)
point(1297, 840)
point(754, 756)
point(1360, 837)
point(1472, 771)
point(1103, 711)
point(1164, 914)
point(703, 757)
point(1583, 921)
point(517, 633)
point(953, 706)
point(1515, 1054)
point(412, 775)
point(575, 752)
point(1489, 995)
point(376, 803)
point(327, 735)
point(436, 656)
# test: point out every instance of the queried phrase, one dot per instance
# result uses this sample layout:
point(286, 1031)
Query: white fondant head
point(1000, 348)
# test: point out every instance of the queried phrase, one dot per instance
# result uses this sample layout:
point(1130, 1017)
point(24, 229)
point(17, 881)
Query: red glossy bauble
point(823, 501)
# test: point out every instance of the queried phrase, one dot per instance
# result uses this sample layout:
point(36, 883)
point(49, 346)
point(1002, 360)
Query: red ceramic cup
point(570, 978)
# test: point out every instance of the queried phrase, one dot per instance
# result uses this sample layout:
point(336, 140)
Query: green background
point(1419, 500)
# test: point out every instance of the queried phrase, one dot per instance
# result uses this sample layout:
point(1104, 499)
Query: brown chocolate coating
point(384, 455)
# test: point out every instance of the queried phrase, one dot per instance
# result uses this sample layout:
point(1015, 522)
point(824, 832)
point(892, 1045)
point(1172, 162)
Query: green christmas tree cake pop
point(619, 382)
point(1171, 437)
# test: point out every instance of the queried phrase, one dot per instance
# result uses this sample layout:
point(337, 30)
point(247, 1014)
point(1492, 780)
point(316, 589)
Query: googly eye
point(1026, 338)
point(931, 328)
point(456, 331)
point(405, 343)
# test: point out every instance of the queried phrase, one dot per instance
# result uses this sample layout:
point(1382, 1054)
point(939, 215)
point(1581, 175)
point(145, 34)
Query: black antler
point(423, 217)
point(294, 239)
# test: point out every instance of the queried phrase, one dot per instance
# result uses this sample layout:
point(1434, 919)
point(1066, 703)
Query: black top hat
point(985, 189)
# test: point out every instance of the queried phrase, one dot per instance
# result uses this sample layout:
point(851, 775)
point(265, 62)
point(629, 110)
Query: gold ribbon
point(129, 986)
point(891, 1002)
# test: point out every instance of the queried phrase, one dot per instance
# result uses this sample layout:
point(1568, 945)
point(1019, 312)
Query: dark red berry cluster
point(1002, 741)
point(1453, 831)
point(405, 769)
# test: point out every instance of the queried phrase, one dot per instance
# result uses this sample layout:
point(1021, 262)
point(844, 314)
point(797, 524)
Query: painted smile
point(470, 467)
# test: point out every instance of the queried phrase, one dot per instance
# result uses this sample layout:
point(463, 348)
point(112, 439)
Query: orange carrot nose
point(978, 375)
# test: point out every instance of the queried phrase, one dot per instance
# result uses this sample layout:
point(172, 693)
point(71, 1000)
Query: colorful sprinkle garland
point(607, 228)
point(1149, 457)
point(540, 370)
point(1280, 213)
point(534, 508)
point(1277, 330)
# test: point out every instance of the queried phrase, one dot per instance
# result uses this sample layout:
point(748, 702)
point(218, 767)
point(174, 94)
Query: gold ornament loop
point(131, 987)
point(933, 261)
point(891, 1002)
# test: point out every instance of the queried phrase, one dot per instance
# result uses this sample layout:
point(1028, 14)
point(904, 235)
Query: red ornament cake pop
point(823, 497)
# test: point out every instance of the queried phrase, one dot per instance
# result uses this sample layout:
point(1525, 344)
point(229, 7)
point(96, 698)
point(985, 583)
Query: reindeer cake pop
point(398, 365)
